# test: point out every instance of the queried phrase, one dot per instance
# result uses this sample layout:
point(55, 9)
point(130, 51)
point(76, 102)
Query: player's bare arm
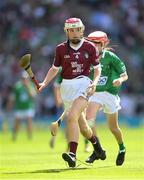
point(50, 75)
point(92, 87)
point(119, 81)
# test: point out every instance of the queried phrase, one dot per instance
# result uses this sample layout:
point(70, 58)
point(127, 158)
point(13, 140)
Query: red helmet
point(98, 36)
point(73, 23)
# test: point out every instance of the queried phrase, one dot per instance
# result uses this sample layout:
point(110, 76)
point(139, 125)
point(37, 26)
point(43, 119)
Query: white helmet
point(98, 36)
point(73, 23)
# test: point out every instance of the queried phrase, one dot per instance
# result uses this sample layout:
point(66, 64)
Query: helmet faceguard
point(98, 36)
point(73, 23)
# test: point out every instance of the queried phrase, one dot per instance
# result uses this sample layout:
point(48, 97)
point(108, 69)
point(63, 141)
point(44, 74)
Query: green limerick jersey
point(23, 101)
point(112, 68)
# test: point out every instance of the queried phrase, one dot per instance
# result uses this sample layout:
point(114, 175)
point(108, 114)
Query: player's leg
point(29, 127)
point(90, 117)
point(74, 113)
point(116, 131)
point(52, 141)
point(74, 93)
point(86, 131)
point(92, 124)
point(87, 145)
point(16, 128)
point(91, 112)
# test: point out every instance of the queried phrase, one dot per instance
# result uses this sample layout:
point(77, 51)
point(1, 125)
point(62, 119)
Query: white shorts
point(74, 88)
point(22, 114)
point(110, 103)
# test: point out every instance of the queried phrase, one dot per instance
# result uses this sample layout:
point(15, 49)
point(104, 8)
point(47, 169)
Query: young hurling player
point(75, 57)
point(106, 96)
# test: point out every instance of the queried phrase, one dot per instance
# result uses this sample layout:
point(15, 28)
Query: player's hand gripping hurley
point(25, 64)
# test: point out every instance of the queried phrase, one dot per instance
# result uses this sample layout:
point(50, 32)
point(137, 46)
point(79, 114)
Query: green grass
point(34, 159)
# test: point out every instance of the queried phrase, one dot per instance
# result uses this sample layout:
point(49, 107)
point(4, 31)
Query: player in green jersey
point(106, 96)
point(22, 99)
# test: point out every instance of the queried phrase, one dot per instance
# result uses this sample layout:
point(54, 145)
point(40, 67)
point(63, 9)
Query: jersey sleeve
point(117, 64)
point(57, 58)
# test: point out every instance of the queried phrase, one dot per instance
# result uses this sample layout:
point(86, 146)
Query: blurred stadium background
point(36, 27)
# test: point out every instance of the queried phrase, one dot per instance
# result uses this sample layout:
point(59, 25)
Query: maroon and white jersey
point(76, 61)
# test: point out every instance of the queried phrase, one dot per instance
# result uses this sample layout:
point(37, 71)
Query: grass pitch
point(35, 159)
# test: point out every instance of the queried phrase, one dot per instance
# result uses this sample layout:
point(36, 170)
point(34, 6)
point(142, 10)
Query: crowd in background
point(36, 27)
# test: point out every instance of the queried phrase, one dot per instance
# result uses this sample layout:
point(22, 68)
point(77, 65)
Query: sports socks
point(93, 139)
point(121, 147)
point(73, 147)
